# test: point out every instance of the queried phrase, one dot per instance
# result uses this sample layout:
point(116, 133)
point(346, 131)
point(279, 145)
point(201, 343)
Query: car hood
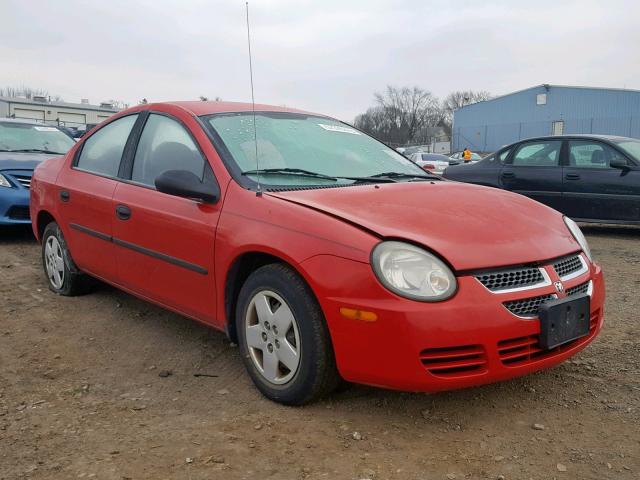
point(472, 227)
point(22, 161)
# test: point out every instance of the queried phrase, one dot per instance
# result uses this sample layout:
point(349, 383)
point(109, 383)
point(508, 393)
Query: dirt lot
point(81, 396)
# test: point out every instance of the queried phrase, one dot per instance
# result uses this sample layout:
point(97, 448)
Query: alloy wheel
point(54, 262)
point(272, 336)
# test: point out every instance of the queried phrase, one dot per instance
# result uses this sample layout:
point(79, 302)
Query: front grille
point(454, 361)
point(522, 350)
point(23, 180)
point(578, 289)
point(527, 307)
point(19, 213)
point(568, 265)
point(511, 278)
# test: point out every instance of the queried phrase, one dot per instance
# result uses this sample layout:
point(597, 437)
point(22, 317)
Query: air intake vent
point(23, 180)
point(19, 213)
point(454, 362)
point(527, 307)
point(511, 279)
point(568, 265)
point(523, 350)
point(578, 289)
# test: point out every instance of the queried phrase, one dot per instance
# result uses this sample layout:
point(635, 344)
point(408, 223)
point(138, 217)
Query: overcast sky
point(325, 56)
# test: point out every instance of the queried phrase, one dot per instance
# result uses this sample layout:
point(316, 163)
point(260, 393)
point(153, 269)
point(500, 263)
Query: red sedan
point(324, 254)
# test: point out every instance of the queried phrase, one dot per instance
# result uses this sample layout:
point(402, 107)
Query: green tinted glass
point(311, 143)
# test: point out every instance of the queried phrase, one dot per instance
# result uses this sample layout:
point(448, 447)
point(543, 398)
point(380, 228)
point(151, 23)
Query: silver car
point(431, 162)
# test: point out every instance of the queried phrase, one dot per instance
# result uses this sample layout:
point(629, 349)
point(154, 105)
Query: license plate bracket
point(564, 320)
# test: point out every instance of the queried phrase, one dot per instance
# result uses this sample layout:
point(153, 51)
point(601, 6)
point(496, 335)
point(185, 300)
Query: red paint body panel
point(471, 226)
point(387, 352)
point(175, 227)
point(327, 235)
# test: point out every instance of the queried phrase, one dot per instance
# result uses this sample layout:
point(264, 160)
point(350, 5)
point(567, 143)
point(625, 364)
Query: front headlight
point(4, 182)
point(412, 272)
point(579, 236)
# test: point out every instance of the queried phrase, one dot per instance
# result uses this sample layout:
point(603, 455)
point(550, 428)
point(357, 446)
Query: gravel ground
point(106, 386)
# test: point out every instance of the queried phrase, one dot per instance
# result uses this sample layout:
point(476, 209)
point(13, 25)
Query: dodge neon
point(324, 254)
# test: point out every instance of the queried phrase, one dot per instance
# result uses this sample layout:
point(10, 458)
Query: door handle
point(123, 212)
point(64, 195)
point(572, 176)
point(508, 175)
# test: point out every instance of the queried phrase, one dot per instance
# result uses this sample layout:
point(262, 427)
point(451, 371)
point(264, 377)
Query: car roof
point(595, 136)
point(199, 108)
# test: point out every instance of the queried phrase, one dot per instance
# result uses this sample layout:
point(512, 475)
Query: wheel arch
point(43, 219)
point(242, 266)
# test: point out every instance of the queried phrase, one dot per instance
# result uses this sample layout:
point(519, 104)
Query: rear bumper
point(406, 348)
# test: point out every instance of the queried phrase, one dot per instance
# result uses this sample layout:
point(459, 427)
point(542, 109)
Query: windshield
point(299, 143)
point(631, 147)
point(33, 138)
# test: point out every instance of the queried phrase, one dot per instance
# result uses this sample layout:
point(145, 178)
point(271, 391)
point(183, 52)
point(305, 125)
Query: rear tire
point(63, 276)
point(283, 337)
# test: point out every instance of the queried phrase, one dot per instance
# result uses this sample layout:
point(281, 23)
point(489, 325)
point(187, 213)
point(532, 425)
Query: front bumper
point(405, 349)
point(14, 200)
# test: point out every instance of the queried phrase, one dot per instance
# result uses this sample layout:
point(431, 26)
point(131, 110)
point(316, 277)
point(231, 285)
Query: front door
point(593, 190)
point(164, 244)
point(85, 201)
point(534, 170)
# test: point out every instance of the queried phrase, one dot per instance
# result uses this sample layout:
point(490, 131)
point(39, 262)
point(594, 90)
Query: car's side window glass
point(538, 154)
point(591, 154)
point(165, 145)
point(503, 155)
point(102, 151)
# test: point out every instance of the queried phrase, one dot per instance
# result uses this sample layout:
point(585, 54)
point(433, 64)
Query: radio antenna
point(253, 103)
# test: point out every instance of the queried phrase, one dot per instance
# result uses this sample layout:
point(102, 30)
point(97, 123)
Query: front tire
point(283, 337)
point(63, 276)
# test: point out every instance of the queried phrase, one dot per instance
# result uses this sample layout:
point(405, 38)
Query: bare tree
point(23, 91)
point(400, 114)
point(459, 99)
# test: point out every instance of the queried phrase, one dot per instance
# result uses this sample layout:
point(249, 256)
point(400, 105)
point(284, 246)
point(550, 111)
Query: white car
point(431, 162)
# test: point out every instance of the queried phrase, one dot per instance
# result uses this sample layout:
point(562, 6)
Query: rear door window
point(165, 145)
point(590, 154)
point(102, 151)
point(538, 154)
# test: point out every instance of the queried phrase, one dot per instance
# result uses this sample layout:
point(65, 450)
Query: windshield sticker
point(337, 128)
point(46, 129)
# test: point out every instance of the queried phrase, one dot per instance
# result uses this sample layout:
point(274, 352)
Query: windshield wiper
point(289, 171)
point(34, 150)
point(403, 175)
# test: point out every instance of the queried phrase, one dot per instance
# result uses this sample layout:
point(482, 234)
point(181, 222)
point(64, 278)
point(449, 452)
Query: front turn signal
point(356, 314)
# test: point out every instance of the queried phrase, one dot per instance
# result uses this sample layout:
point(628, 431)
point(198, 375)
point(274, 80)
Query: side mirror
point(622, 165)
point(183, 183)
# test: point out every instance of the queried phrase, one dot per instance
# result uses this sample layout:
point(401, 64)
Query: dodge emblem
point(559, 287)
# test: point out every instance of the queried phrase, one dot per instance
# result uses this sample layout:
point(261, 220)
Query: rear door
point(593, 190)
point(164, 243)
point(85, 193)
point(533, 169)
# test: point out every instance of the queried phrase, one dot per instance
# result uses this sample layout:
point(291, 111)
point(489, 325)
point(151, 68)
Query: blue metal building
point(546, 110)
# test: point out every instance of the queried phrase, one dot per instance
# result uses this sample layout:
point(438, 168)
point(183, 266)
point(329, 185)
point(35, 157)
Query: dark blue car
point(590, 178)
point(23, 145)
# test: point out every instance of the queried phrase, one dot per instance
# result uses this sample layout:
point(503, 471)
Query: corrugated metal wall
point(487, 126)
